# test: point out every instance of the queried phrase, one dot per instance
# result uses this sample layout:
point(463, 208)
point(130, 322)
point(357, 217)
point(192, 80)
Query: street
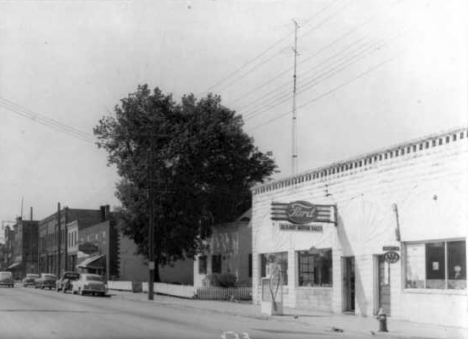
point(34, 313)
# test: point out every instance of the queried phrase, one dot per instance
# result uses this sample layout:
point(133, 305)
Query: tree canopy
point(201, 161)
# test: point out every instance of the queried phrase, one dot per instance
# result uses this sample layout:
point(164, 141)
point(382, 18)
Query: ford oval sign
point(301, 212)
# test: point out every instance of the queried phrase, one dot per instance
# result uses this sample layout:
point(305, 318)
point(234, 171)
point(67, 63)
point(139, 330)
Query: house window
point(216, 264)
point(281, 258)
point(250, 265)
point(436, 265)
point(315, 269)
point(202, 264)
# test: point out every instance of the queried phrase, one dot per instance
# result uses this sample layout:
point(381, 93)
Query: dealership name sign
point(302, 213)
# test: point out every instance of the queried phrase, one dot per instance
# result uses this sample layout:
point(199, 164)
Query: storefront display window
point(281, 258)
point(315, 269)
point(436, 265)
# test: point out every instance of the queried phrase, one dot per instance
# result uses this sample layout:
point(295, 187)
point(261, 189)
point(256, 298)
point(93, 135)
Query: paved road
point(32, 313)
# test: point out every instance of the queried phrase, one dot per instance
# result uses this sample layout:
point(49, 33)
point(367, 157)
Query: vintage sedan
point(64, 284)
point(47, 280)
point(30, 279)
point(6, 279)
point(89, 284)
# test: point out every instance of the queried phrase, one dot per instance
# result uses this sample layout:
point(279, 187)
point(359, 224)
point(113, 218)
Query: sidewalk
point(325, 322)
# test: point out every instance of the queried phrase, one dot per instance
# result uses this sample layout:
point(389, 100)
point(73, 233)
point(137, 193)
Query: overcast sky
point(370, 74)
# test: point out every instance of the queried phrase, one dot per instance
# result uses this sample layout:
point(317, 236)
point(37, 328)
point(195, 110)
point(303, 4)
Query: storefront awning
point(95, 262)
point(14, 265)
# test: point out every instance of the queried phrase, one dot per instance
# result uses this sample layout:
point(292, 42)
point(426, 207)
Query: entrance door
point(349, 284)
point(384, 285)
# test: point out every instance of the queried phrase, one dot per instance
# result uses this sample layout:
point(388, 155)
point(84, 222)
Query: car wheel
point(42, 287)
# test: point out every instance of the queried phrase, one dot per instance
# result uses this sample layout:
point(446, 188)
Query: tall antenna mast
point(294, 118)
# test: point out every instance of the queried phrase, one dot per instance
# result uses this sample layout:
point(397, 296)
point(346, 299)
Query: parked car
point(64, 284)
point(89, 283)
point(6, 279)
point(47, 280)
point(30, 279)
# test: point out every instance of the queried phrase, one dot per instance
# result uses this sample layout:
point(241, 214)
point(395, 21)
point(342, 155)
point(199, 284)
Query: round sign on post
point(392, 257)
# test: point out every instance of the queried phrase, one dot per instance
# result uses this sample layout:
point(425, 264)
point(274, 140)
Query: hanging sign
point(392, 257)
point(88, 248)
point(303, 212)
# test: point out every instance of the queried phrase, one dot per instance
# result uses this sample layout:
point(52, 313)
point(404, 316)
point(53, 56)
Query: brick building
point(330, 229)
point(53, 231)
point(9, 236)
point(98, 247)
point(20, 249)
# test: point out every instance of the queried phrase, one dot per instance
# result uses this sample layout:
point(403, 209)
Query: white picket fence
point(221, 293)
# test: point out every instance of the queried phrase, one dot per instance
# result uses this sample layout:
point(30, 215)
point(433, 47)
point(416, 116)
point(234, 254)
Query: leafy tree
point(201, 164)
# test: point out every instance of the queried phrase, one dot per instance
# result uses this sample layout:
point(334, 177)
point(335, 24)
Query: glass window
point(456, 260)
point(436, 265)
point(281, 258)
point(216, 264)
point(315, 269)
point(202, 264)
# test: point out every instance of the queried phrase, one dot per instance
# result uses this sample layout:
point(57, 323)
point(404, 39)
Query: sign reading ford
point(303, 212)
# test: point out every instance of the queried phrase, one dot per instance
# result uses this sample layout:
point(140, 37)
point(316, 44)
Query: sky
point(370, 74)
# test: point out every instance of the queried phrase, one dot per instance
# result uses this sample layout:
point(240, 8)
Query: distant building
point(230, 251)
point(21, 247)
point(72, 245)
point(9, 236)
point(103, 249)
point(51, 239)
point(2, 257)
point(97, 247)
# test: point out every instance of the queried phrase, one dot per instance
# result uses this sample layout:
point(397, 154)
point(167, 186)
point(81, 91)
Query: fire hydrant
point(382, 318)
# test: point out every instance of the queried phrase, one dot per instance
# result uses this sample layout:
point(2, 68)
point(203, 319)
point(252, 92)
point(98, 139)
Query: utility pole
point(294, 118)
point(59, 240)
point(65, 254)
point(151, 221)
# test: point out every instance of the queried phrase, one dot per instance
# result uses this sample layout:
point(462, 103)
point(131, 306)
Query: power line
point(46, 121)
point(365, 22)
point(361, 75)
point(256, 101)
point(314, 81)
point(258, 56)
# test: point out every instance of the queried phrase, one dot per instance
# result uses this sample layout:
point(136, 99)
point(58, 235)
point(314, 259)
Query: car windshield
point(49, 276)
point(32, 276)
point(93, 278)
point(5, 274)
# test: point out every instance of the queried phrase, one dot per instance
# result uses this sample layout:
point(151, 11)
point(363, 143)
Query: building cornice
point(365, 160)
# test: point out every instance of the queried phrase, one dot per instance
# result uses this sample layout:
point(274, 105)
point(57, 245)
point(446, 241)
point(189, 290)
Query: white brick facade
point(427, 181)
